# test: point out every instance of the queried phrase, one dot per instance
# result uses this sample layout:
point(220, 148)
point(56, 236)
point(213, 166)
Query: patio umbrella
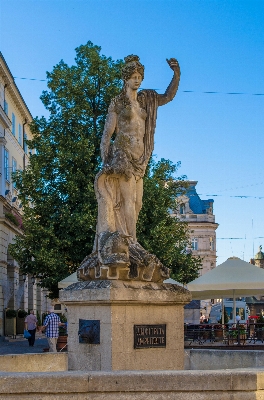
point(234, 278)
point(68, 281)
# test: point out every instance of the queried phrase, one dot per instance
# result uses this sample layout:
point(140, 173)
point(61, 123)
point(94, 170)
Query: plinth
point(121, 325)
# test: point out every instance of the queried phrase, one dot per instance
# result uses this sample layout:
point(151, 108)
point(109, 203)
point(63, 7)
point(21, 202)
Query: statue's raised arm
point(173, 86)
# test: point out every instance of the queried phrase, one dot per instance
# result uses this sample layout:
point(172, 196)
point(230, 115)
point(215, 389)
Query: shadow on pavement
point(20, 346)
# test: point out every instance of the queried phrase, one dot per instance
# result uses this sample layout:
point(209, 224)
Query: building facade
point(258, 260)
point(17, 291)
point(200, 217)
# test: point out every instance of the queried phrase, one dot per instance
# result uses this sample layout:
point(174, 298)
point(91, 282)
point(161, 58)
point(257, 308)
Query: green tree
point(165, 236)
point(57, 191)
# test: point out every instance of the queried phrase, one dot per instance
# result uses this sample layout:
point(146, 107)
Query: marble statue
point(126, 146)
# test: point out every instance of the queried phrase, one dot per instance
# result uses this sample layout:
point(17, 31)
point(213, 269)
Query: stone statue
point(126, 146)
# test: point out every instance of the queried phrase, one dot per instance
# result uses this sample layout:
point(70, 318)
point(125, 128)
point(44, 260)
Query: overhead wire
point(183, 91)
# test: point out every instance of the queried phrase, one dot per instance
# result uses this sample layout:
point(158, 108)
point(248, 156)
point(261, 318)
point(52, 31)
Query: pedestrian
point(31, 324)
point(51, 324)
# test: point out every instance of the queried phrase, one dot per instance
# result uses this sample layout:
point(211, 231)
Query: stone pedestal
point(157, 310)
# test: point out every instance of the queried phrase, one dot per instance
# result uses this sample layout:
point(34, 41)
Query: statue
point(131, 119)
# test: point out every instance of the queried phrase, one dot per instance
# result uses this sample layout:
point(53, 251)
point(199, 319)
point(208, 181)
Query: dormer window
point(182, 208)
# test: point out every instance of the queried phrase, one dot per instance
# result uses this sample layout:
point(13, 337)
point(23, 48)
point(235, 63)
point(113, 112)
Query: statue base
point(125, 325)
point(116, 258)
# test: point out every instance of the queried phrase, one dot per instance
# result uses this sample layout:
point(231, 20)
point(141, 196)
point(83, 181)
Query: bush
point(22, 313)
point(11, 313)
point(63, 318)
point(12, 218)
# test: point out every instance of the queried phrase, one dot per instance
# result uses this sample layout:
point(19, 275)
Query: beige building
point(201, 221)
point(199, 215)
point(16, 291)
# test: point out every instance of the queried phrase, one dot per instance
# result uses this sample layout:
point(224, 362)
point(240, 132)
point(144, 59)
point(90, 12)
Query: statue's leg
point(139, 195)
point(128, 194)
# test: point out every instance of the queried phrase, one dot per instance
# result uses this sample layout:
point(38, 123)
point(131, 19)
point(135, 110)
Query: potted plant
point(242, 331)
point(218, 332)
point(21, 315)
point(10, 322)
point(239, 332)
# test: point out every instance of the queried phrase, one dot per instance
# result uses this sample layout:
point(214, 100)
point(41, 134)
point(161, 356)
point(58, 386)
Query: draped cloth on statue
point(115, 255)
point(110, 204)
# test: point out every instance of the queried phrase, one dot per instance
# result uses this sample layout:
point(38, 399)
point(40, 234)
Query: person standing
point(31, 323)
point(51, 324)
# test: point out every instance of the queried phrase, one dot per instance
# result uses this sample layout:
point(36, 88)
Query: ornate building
point(201, 220)
point(258, 260)
point(17, 291)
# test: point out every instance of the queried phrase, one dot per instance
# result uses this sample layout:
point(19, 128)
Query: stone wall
point(46, 362)
point(206, 359)
point(247, 384)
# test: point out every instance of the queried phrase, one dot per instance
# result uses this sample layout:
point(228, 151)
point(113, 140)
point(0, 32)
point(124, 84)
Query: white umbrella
point(170, 280)
point(234, 278)
point(68, 281)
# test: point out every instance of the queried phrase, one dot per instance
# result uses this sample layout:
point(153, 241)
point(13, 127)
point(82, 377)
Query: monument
point(120, 315)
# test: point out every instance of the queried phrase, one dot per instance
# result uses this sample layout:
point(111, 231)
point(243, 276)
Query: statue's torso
point(130, 130)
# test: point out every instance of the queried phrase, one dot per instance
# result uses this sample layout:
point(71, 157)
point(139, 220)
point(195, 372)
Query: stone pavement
point(20, 345)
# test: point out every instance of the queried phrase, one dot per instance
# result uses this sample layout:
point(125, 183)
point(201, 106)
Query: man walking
point(31, 325)
point(52, 323)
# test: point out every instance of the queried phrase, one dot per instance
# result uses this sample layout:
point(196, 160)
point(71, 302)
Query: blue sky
point(220, 47)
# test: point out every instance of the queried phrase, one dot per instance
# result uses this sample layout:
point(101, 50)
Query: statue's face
point(134, 81)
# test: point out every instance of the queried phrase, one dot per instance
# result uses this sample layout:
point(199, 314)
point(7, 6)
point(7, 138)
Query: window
point(211, 243)
point(6, 161)
point(14, 168)
point(6, 107)
point(182, 209)
point(25, 144)
point(20, 134)
point(13, 124)
point(194, 243)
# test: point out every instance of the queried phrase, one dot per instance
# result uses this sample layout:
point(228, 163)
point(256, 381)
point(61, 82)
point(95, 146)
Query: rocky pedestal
point(123, 325)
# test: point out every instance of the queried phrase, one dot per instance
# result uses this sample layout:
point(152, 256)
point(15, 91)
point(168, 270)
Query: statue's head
point(132, 65)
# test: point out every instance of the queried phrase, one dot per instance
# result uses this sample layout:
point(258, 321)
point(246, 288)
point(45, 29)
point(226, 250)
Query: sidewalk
point(20, 345)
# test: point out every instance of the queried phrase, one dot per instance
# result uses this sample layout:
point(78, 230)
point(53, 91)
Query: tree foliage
point(163, 235)
point(57, 188)
point(57, 191)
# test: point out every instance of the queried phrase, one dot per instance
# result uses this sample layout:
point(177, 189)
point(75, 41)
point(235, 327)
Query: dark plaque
point(89, 331)
point(149, 336)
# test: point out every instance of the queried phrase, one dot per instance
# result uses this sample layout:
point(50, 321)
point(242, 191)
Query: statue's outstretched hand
point(174, 65)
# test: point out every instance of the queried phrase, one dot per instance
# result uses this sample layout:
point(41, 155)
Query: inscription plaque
point(149, 336)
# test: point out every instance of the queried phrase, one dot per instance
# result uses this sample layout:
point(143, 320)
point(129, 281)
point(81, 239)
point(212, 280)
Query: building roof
point(197, 205)
point(193, 305)
point(13, 89)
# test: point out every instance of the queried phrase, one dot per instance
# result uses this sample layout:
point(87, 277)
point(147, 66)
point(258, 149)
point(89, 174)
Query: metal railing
point(228, 334)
